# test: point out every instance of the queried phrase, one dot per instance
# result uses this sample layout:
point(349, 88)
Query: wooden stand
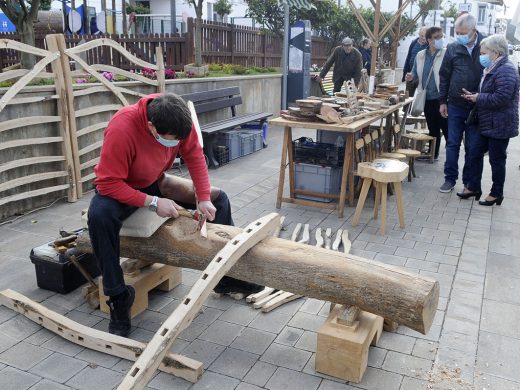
point(160, 276)
point(342, 349)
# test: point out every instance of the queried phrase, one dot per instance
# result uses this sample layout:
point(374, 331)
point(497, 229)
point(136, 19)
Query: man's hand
point(469, 96)
point(408, 77)
point(443, 110)
point(207, 208)
point(167, 208)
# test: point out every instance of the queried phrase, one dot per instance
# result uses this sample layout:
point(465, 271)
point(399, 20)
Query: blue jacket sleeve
point(445, 77)
point(504, 89)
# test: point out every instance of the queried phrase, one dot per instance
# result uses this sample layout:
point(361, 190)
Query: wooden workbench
point(347, 179)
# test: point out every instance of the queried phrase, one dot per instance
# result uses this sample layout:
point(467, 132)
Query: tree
point(197, 4)
point(425, 7)
point(450, 9)
point(23, 14)
point(223, 7)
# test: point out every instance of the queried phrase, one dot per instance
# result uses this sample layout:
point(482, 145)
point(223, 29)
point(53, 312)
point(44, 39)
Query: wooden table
point(347, 178)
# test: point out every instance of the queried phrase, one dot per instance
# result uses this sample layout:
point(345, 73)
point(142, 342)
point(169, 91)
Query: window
point(481, 14)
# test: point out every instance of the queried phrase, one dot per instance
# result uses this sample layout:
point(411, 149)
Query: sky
point(511, 7)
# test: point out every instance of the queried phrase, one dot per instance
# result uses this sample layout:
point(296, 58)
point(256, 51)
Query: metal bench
point(218, 99)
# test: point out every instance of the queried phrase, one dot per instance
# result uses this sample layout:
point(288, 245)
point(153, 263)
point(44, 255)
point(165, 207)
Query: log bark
point(391, 292)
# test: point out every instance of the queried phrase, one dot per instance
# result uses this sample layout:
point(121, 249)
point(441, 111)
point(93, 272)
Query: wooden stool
point(160, 276)
point(382, 171)
point(411, 154)
point(421, 138)
point(343, 342)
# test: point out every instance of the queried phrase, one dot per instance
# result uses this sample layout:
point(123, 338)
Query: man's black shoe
point(231, 285)
point(120, 312)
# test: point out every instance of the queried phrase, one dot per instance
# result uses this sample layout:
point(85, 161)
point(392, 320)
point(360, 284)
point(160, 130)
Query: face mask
point(439, 43)
point(169, 143)
point(485, 60)
point(463, 39)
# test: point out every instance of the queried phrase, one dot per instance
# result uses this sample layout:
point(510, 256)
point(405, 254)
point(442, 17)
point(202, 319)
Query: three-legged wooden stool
point(382, 171)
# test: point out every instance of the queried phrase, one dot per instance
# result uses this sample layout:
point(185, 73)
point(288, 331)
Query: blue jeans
point(497, 159)
point(457, 129)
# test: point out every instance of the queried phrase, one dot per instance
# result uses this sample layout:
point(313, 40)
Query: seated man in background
point(141, 142)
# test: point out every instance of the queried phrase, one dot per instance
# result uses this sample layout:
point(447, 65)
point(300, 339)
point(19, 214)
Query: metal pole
point(173, 17)
point(285, 58)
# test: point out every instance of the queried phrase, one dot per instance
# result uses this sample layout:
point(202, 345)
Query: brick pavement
point(473, 251)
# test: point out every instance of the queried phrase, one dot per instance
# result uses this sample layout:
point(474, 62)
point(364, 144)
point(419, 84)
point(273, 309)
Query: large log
point(391, 292)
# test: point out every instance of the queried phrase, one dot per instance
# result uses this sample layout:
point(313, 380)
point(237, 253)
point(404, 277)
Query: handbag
point(420, 98)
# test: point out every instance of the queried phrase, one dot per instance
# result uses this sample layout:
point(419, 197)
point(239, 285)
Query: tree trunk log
point(391, 292)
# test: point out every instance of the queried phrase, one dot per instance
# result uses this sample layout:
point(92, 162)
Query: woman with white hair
point(496, 113)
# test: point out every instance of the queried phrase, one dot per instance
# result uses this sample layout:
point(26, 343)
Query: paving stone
point(459, 341)
point(488, 381)
point(253, 340)
point(241, 315)
point(24, 355)
point(203, 351)
point(98, 378)
point(396, 342)
point(381, 248)
point(46, 384)
point(207, 315)
point(413, 384)
point(247, 386)
point(164, 381)
point(411, 253)
point(59, 344)
point(376, 356)
point(307, 341)
point(98, 358)
point(407, 365)
point(442, 258)
point(149, 320)
point(391, 259)
point(422, 265)
point(270, 322)
point(426, 238)
point(284, 379)
point(425, 349)
point(290, 308)
point(221, 332)
point(447, 269)
point(192, 332)
point(58, 368)
point(6, 314)
point(260, 373)
point(234, 363)
point(500, 318)
point(14, 379)
point(331, 385)
point(307, 321)
point(214, 381)
point(468, 285)
point(289, 336)
point(499, 355)
point(375, 378)
point(451, 359)
point(312, 306)
point(463, 326)
point(501, 288)
point(6, 342)
point(284, 356)
point(19, 327)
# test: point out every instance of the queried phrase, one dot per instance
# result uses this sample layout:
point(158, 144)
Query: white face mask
point(169, 143)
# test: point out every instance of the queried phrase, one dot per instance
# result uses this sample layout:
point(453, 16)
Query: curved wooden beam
point(389, 291)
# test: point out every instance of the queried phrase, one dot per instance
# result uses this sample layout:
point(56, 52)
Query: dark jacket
point(497, 101)
point(346, 66)
point(408, 64)
point(459, 70)
point(366, 54)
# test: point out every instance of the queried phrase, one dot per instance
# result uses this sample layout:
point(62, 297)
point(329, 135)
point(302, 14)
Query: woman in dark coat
point(497, 115)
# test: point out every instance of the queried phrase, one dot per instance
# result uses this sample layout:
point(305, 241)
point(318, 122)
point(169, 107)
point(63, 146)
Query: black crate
point(317, 153)
point(57, 273)
point(222, 154)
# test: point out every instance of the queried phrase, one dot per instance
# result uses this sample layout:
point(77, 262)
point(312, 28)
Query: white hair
point(466, 20)
point(497, 44)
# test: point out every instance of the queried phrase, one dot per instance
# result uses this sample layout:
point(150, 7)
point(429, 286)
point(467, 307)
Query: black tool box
point(56, 272)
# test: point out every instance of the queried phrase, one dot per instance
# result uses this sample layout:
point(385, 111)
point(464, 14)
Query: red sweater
point(132, 159)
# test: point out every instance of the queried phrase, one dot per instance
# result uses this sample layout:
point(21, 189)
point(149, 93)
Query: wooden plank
point(97, 109)
point(88, 177)
point(32, 99)
point(161, 76)
point(260, 295)
point(328, 234)
point(337, 241)
point(261, 302)
point(31, 179)
point(145, 366)
point(103, 89)
point(279, 301)
point(92, 128)
point(23, 81)
point(27, 121)
point(197, 97)
point(90, 163)
point(29, 161)
point(319, 238)
point(11, 44)
point(29, 142)
point(296, 232)
point(129, 349)
point(113, 44)
point(306, 235)
point(90, 148)
point(31, 194)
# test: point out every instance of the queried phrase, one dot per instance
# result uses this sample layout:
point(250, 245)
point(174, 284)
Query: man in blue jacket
point(460, 70)
point(416, 46)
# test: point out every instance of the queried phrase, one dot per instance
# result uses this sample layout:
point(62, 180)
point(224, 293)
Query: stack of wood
point(306, 110)
point(386, 91)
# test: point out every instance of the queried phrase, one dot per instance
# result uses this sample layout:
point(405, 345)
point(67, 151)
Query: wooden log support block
point(342, 351)
point(159, 276)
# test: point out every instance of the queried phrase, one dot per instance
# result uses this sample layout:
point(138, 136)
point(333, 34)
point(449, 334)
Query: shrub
point(215, 67)
point(170, 74)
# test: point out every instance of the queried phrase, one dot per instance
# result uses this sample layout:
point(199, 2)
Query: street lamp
point(489, 28)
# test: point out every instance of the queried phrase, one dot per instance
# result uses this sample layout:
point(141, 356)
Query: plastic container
point(329, 137)
point(247, 143)
point(222, 155)
point(263, 129)
point(316, 178)
point(318, 153)
point(233, 141)
point(55, 272)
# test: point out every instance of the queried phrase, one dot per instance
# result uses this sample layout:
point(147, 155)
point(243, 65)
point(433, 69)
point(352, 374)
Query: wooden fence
point(221, 43)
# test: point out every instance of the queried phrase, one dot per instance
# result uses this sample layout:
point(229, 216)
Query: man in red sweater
point(141, 142)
